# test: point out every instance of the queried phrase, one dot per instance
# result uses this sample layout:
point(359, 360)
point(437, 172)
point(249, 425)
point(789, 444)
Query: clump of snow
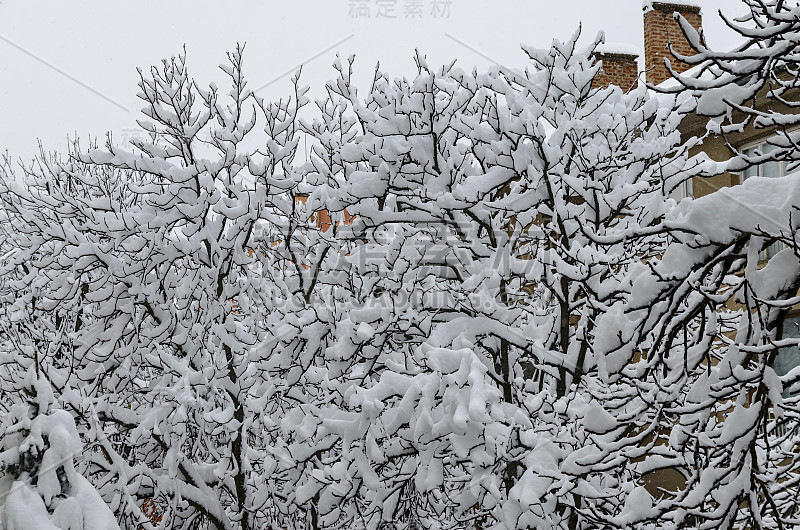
point(638, 505)
point(597, 420)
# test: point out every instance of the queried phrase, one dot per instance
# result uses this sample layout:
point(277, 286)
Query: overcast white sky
point(69, 66)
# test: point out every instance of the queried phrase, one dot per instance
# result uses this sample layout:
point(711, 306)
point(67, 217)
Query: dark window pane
point(788, 357)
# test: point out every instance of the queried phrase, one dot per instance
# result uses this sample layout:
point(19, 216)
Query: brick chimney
point(619, 66)
point(660, 29)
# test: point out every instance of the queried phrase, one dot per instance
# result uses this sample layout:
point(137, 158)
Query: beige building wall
point(715, 146)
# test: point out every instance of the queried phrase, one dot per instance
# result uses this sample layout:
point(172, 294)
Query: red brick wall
point(660, 28)
point(617, 69)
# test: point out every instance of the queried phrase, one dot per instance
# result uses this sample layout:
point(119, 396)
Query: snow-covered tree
point(733, 432)
point(178, 280)
point(517, 329)
point(239, 366)
point(502, 215)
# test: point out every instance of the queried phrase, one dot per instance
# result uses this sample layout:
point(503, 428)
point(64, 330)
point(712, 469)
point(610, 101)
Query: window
point(682, 191)
point(771, 169)
point(767, 169)
point(788, 357)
